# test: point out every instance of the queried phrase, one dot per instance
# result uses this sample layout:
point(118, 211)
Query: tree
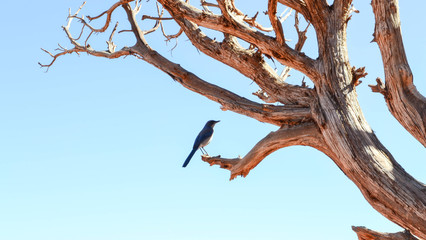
point(327, 117)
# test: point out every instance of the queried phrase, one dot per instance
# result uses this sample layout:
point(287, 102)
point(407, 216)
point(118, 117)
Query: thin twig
point(252, 22)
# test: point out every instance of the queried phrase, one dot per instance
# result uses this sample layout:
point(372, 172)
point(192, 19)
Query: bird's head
point(212, 123)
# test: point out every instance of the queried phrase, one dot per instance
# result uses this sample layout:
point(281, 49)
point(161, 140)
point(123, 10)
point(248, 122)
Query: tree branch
point(206, 5)
point(252, 22)
point(367, 234)
point(247, 62)
point(319, 12)
point(304, 134)
point(78, 48)
point(405, 103)
point(358, 73)
point(379, 87)
point(276, 24)
point(299, 6)
point(108, 18)
point(276, 115)
point(266, 44)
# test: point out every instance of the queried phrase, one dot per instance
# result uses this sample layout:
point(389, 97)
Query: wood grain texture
point(405, 103)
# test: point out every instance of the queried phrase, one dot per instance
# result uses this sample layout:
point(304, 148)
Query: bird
point(203, 138)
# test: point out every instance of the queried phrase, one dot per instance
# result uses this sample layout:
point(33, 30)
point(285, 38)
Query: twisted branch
point(236, 27)
point(230, 53)
point(305, 134)
point(86, 48)
point(405, 103)
point(367, 234)
point(276, 115)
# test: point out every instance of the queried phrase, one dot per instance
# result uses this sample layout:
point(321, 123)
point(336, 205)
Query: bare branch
point(276, 24)
point(170, 37)
point(108, 18)
point(111, 45)
point(299, 45)
point(299, 6)
point(367, 234)
point(86, 48)
point(252, 22)
point(287, 13)
point(205, 5)
point(358, 73)
point(153, 29)
point(405, 103)
point(276, 115)
point(125, 51)
point(228, 8)
point(301, 34)
point(380, 87)
point(55, 57)
point(156, 18)
point(157, 23)
point(268, 45)
point(314, 12)
point(305, 134)
point(230, 53)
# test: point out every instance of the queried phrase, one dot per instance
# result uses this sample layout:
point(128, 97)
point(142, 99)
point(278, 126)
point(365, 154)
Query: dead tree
point(327, 117)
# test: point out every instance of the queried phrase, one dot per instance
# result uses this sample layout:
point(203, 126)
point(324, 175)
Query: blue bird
point(202, 140)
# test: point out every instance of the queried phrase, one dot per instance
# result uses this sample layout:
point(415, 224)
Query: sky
point(93, 148)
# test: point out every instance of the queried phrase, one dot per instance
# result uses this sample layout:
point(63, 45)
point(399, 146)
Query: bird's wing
point(203, 137)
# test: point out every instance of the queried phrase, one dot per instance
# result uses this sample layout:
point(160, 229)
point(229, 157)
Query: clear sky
point(93, 149)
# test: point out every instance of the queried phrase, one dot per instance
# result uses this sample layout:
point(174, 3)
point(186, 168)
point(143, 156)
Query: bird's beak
point(217, 121)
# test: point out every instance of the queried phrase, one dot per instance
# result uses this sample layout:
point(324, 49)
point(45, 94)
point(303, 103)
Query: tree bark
point(327, 117)
point(405, 103)
point(358, 152)
point(367, 234)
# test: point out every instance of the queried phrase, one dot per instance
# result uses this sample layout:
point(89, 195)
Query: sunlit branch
point(304, 134)
point(266, 44)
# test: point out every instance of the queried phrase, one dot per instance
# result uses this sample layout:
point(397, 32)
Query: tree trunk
point(356, 149)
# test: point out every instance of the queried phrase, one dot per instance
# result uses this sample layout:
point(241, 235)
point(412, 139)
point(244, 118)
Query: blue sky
point(93, 149)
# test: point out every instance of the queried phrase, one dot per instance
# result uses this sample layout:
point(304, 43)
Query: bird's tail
point(189, 157)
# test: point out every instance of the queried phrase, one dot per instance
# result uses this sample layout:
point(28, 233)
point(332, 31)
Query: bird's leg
point(204, 151)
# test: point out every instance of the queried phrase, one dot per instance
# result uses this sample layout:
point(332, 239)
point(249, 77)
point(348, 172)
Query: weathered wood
point(367, 234)
point(306, 134)
point(359, 154)
point(405, 103)
point(327, 117)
